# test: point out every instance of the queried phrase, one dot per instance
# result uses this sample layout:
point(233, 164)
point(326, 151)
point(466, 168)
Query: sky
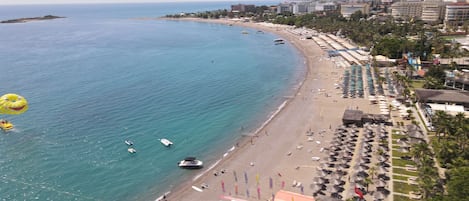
point(15, 2)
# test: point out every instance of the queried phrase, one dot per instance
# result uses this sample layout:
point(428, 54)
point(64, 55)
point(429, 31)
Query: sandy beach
point(280, 154)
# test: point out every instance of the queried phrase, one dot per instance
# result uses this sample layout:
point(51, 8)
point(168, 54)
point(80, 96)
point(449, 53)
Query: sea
point(112, 72)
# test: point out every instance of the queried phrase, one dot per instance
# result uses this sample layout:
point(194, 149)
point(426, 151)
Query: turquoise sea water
point(100, 76)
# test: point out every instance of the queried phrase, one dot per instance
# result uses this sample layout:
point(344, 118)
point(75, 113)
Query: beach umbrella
point(245, 177)
point(381, 183)
point(382, 170)
point(382, 159)
point(358, 178)
point(359, 168)
point(319, 180)
point(365, 155)
point(337, 182)
point(403, 143)
point(322, 173)
point(336, 176)
point(379, 195)
point(316, 187)
point(358, 185)
point(332, 190)
point(324, 165)
point(404, 150)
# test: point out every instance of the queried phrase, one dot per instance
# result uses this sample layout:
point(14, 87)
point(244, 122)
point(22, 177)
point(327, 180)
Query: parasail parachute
point(13, 104)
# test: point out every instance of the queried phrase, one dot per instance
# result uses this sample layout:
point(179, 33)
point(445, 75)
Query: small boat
point(190, 163)
point(279, 41)
point(244, 32)
point(128, 143)
point(166, 142)
point(131, 150)
point(6, 125)
point(163, 197)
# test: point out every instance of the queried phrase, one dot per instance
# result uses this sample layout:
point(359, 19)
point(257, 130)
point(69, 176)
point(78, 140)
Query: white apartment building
point(433, 10)
point(456, 13)
point(407, 10)
point(347, 9)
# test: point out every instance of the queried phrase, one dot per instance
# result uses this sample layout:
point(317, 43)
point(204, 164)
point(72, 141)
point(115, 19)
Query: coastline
point(239, 160)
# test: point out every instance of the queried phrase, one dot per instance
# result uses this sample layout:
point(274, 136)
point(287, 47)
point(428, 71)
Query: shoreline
point(183, 191)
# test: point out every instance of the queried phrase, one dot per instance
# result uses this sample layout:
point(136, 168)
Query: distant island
point(22, 20)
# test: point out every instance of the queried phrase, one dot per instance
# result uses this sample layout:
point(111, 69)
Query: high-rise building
point(347, 9)
point(456, 13)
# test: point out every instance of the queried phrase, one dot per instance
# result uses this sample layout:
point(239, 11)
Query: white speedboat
point(132, 150)
point(128, 143)
point(166, 142)
point(191, 163)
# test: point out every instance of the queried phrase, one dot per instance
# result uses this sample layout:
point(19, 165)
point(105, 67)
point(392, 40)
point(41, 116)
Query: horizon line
point(121, 2)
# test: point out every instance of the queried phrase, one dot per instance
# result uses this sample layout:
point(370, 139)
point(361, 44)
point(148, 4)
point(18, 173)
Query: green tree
point(457, 184)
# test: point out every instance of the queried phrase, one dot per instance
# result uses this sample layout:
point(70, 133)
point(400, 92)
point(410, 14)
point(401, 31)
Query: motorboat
point(131, 150)
point(190, 163)
point(166, 142)
point(6, 125)
point(279, 41)
point(163, 197)
point(128, 143)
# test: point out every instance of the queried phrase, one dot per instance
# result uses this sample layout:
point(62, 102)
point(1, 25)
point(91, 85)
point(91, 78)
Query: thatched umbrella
point(336, 176)
point(358, 178)
point(382, 170)
point(331, 159)
point(319, 180)
point(322, 174)
point(382, 159)
point(333, 189)
point(379, 196)
point(333, 153)
point(337, 182)
point(337, 143)
point(360, 186)
point(381, 183)
point(363, 161)
point(403, 143)
point(323, 165)
point(359, 168)
point(365, 155)
point(316, 188)
point(344, 165)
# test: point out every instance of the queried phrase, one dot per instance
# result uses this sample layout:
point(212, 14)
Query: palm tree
point(441, 122)
point(372, 171)
point(419, 151)
point(367, 181)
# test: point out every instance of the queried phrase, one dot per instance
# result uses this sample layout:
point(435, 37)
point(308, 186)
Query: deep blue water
point(100, 76)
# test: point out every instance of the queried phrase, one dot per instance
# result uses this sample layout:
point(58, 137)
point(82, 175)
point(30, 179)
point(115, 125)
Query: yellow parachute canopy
point(13, 104)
